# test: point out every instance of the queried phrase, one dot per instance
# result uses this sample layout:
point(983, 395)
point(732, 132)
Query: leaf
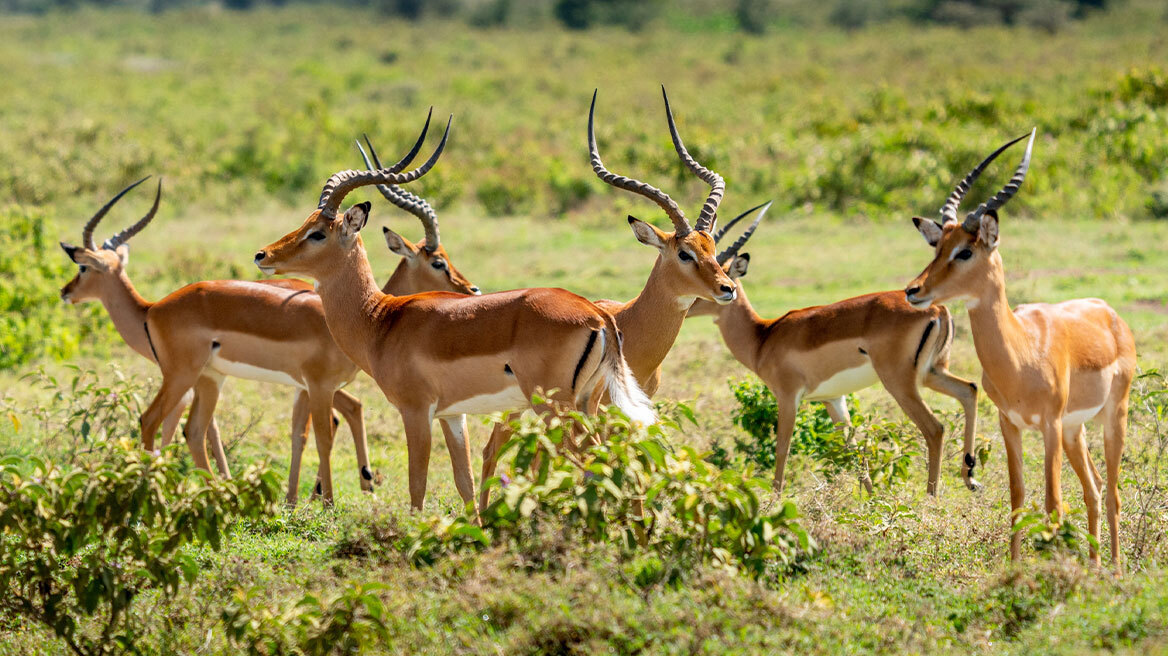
point(15, 421)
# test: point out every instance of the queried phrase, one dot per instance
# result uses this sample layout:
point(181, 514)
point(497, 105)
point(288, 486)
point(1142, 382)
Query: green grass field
point(851, 133)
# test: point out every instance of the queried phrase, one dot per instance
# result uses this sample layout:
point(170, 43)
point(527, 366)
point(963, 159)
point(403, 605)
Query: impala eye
point(964, 255)
point(316, 236)
point(438, 264)
point(83, 268)
point(684, 256)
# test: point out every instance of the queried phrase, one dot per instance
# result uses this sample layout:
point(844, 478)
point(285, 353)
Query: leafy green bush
point(754, 16)
point(1055, 534)
point(882, 451)
point(632, 490)
point(78, 547)
point(34, 323)
point(344, 623)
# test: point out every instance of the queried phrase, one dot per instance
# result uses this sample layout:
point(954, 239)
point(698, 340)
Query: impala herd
point(438, 349)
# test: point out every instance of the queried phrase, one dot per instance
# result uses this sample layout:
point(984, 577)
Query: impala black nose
point(726, 289)
point(260, 256)
point(912, 291)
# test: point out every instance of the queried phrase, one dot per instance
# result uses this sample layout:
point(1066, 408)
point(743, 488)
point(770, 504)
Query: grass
point(97, 98)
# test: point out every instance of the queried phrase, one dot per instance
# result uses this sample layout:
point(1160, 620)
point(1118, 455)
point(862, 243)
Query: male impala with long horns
point(685, 269)
point(441, 355)
point(1048, 367)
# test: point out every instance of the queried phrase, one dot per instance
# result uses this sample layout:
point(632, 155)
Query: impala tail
point(622, 387)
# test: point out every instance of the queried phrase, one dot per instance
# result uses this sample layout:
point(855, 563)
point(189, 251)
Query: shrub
point(79, 546)
point(1157, 202)
point(33, 321)
point(632, 490)
point(344, 623)
point(881, 454)
point(754, 16)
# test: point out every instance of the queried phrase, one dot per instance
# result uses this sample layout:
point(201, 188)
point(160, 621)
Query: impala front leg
point(320, 403)
point(418, 440)
point(1012, 437)
point(788, 406)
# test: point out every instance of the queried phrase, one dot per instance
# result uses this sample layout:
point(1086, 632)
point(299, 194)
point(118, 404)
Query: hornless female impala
point(826, 352)
point(1047, 367)
point(685, 269)
point(441, 355)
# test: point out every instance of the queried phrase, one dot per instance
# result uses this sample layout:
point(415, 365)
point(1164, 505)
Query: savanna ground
point(850, 133)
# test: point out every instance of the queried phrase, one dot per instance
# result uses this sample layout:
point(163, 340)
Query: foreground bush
point(78, 547)
point(662, 505)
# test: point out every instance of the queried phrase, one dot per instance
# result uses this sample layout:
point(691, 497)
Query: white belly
point(251, 372)
point(1080, 417)
point(510, 398)
point(1018, 420)
point(844, 382)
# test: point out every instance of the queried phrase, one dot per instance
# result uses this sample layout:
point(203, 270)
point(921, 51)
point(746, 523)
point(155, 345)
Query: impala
point(1047, 367)
point(826, 352)
point(685, 269)
point(442, 355)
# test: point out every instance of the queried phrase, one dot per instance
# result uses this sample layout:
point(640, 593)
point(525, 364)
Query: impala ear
point(70, 250)
point(738, 266)
point(123, 252)
point(987, 232)
point(398, 244)
point(929, 229)
point(355, 219)
point(647, 234)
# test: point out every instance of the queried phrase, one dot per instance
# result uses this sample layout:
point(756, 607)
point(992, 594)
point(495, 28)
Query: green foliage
point(1055, 534)
point(582, 14)
point(86, 543)
point(632, 490)
point(34, 323)
point(349, 622)
point(754, 16)
point(881, 450)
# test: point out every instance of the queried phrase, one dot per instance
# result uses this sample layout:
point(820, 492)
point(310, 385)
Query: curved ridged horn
point(726, 228)
point(730, 252)
point(709, 214)
point(404, 161)
point(87, 231)
point(409, 202)
point(680, 224)
point(973, 219)
point(340, 184)
point(124, 236)
point(949, 209)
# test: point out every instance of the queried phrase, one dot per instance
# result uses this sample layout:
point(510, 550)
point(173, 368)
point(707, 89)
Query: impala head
point(966, 252)
point(325, 239)
point(99, 267)
point(733, 263)
point(687, 253)
point(426, 265)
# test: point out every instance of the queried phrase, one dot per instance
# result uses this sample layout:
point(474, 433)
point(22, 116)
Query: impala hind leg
point(418, 442)
point(500, 433)
point(908, 397)
point(1012, 437)
point(1114, 434)
point(1080, 459)
point(320, 408)
point(940, 380)
point(1052, 439)
point(350, 408)
point(454, 430)
point(215, 441)
point(202, 410)
point(300, 421)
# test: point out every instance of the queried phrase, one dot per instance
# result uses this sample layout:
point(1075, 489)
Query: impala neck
point(650, 324)
point(998, 336)
point(399, 281)
point(351, 300)
point(128, 309)
point(742, 329)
